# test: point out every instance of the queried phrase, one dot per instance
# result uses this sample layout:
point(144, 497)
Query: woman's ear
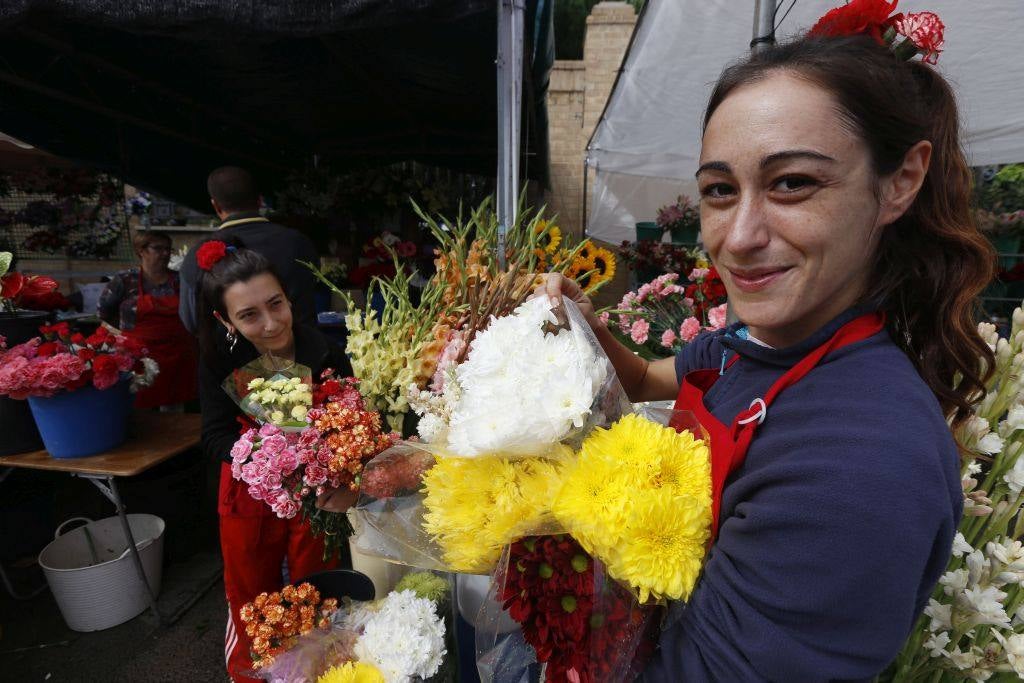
point(899, 189)
point(227, 326)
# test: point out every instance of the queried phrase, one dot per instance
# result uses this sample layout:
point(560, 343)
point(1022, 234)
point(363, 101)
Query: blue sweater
point(835, 528)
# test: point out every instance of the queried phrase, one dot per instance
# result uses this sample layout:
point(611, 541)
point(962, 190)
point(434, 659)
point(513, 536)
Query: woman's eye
point(716, 190)
point(792, 183)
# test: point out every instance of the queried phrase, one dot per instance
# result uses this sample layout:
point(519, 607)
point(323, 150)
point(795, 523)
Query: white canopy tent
point(644, 150)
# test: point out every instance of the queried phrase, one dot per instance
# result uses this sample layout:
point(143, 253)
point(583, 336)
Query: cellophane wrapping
point(454, 502)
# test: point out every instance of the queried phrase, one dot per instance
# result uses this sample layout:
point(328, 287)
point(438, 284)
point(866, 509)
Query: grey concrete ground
point(36, 645)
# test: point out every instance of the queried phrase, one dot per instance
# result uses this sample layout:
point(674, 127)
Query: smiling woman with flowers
point(245, 313)
point(834, 204)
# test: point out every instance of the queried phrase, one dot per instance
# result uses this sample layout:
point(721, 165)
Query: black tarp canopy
point(162, 92)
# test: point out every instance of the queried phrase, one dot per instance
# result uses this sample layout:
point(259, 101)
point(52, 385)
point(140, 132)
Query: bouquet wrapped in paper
point(287, 467)
point(402, 637)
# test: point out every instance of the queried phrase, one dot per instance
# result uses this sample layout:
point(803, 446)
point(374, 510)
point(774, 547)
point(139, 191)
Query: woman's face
point(259, 310)
point(155, 256)
point(788, 211)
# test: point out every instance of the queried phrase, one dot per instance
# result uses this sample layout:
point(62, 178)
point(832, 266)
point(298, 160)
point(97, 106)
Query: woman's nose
point(748, 227)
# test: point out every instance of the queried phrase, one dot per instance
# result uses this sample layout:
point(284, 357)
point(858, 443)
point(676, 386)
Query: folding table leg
point(109, 489)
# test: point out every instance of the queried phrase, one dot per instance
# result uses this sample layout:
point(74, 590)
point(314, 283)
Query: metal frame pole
point(509, 63)
point(109, 489)
point(764, 25)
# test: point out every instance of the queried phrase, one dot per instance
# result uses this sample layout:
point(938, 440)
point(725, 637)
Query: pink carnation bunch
point(662, 316)
point(62, 361)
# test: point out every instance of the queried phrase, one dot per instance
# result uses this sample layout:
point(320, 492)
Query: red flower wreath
point(209, 253)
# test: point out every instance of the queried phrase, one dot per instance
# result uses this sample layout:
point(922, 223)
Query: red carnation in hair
point(924, 30)
point(870, 17)
point(209, 253)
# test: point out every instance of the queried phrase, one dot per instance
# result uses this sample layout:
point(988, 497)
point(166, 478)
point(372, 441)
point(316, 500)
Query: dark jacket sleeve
point(187, 277)
point(109, 304)
point(220, 426)
point(704, 352)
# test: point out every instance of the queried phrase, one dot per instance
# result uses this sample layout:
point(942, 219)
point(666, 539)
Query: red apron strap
point(729, 444)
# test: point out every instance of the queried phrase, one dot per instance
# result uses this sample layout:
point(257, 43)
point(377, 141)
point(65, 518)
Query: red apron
point(159, 329)
point(729, 444)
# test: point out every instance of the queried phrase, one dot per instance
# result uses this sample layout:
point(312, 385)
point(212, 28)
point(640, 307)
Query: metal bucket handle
point(60, 529)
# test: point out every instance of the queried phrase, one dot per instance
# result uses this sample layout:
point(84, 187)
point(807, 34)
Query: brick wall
point(576, 99)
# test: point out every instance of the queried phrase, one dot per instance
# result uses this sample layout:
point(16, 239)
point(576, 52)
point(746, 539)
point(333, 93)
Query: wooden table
point(153, 438)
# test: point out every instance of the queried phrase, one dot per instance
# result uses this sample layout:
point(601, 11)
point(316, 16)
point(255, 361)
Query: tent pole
point(510, 91)
point(764, 25)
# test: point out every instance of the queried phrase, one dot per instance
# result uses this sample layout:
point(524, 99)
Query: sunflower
point(352, 672)
point(604, 264)
point(549, 234)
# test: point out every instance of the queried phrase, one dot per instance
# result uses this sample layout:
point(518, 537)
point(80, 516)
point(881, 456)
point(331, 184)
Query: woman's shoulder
point(702, 353)
point(865, 409)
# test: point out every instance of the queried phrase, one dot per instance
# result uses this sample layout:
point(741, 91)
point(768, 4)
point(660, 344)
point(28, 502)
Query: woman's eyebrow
point(790, 154)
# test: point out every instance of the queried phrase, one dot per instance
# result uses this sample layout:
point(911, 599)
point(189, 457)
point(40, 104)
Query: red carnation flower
point(209, 253)
point(48, 349)
point(869, 17)
point(925, 31)
point(105, 372)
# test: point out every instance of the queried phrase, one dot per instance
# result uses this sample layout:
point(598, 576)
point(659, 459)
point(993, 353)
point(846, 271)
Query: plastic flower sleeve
point(565, 614)
point(532, 379)
point(453, 514)
point(388, 518)
point(272, 390)
point(312, 654)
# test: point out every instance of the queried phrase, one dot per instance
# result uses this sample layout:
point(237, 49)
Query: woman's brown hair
point(932, 263)
point(143, 238)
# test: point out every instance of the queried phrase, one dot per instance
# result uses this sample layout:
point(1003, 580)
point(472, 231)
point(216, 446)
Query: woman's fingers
point(337, 500)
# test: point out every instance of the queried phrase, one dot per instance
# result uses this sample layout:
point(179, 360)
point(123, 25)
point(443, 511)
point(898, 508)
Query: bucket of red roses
point(79, 388)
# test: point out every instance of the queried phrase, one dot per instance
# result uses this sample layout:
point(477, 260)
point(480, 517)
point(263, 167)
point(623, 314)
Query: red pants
point(254, 543)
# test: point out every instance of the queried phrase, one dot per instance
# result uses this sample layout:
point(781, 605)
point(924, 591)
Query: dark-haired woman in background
point(244, 312)
point(835, 205)
point(143, 303)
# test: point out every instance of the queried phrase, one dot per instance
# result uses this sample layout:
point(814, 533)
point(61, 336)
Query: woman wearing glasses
point(143, 303)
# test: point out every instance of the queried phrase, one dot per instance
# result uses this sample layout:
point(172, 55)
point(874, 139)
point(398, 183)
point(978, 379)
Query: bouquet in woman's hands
point(535, 470)
point(289, 468)
point(272, 390)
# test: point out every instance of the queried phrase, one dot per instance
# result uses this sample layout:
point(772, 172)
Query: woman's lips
point(756, 279)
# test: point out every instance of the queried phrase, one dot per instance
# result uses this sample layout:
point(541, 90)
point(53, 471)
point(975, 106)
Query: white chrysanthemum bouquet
point(973, 627)
point(527, 383)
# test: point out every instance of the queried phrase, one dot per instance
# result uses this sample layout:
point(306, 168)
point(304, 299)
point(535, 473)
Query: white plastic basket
point(92, 574)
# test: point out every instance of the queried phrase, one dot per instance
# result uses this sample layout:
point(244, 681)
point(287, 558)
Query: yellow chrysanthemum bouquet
point(534, 469)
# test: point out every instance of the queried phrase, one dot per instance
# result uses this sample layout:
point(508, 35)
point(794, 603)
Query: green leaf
point(5, 261)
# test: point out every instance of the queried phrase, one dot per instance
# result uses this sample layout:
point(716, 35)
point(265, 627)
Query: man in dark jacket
point(235, 200)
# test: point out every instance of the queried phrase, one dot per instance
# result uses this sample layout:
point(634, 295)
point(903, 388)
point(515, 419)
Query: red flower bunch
point(62, 361)
point(396, 473)
point(583, 630)
point(353, 436)
point(210, 253)
point(32, 292)
point(275, 621)
point(923, 31)
point(707, 292)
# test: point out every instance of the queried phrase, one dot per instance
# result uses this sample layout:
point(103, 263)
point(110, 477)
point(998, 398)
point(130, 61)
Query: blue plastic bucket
point(83, 422)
